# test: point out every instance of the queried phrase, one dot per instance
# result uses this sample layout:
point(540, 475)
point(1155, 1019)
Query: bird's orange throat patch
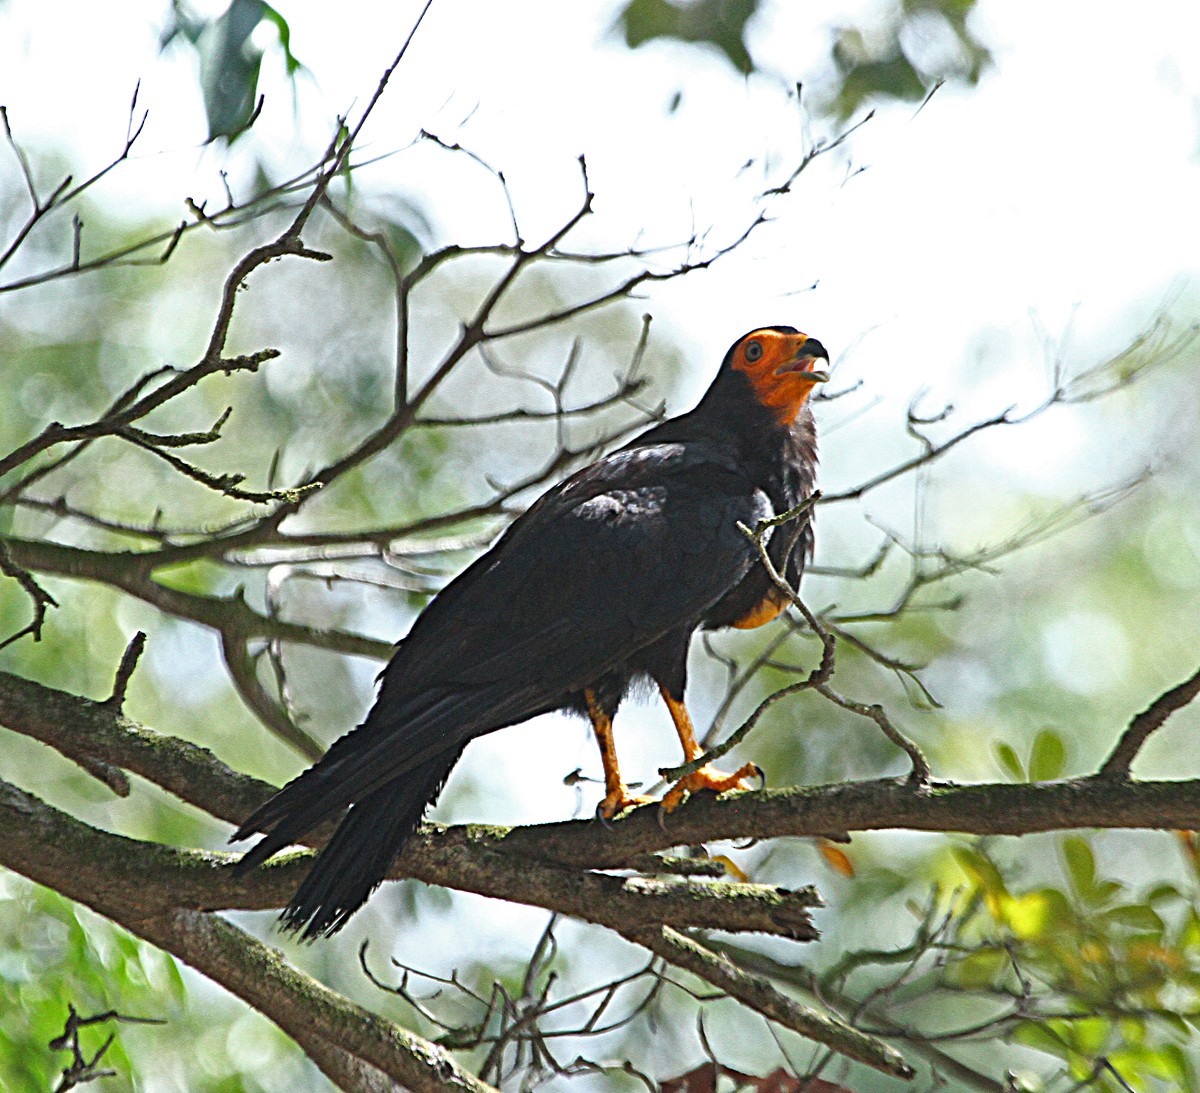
point(778, 369)
point(769, 608)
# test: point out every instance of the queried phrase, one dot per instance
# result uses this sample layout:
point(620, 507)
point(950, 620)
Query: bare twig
point(818, 678)
point(757, 993)
point(1150, 719)
point(42, 600)
point(82, 1069)
point(242, 671)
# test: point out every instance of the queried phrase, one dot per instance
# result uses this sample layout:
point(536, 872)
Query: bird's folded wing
point(602, 566)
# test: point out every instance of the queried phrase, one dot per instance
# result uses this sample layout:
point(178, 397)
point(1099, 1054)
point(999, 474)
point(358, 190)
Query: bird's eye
point(753, 351)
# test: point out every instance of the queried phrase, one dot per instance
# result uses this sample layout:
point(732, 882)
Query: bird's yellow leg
point(706, 777)
point(617, 797)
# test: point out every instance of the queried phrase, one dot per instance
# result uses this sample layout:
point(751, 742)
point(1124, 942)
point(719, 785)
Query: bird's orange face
point(779, 362)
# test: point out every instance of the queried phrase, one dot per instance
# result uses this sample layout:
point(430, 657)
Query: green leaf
point(985, 876)
point(285, 38)
point(862, 80)
point(1008, 759)
point(1081, 866)
point(1176, 1024)
point(1090, 1035)
point(1047, 757)
point(1038, 915)
point(718, 23)
point(1105, 890)
point(1137, 916)
point(1179, 1066)
point(405, 245)
point(982, 969)
point(229, 67)
point(1041, 1037)
point(1189, 935)
point(1164, 893)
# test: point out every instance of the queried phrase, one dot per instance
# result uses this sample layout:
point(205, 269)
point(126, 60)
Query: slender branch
point(245, 678)
point(226, 614)
point(927, 456)
point(818, 678)
point(304, 1008)
point(798, 975)
point(63, 193)
point(119, 418)
point(876, 713)
point(1150, 719)
point(129, 661)
point(81, 1069)
point(380, 240)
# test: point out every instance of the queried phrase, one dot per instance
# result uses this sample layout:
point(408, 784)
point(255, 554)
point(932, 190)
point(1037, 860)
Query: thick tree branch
point(983, 809)
point(79, 727)
point(86, 731)
point(160, 892)
point(188, 880)
point(619, 903)
point(260, 976)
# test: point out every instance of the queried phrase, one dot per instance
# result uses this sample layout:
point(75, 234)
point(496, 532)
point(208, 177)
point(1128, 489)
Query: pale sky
point(1062, 193)
point(1066, 186)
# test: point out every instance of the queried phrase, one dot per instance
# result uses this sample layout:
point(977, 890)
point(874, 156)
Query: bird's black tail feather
point(362, 849)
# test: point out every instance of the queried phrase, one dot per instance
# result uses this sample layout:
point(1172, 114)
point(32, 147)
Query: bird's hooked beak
point(801, 363)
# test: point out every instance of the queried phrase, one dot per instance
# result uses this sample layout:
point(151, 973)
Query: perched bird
point(598, 586)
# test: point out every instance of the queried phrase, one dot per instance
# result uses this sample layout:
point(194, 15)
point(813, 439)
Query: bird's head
point(778, 360)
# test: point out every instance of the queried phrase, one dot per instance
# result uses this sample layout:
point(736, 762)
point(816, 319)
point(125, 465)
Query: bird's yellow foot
point(711, 779)
point(618, 800)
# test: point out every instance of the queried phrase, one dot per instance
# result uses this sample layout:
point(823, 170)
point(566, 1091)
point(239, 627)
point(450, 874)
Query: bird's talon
point(673, 799)
point(618, 801)
point(712, 780)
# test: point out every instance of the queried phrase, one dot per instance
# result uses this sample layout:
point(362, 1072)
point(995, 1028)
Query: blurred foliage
point(718, 23)
point(903, 53)
point(230, 60)
point(1095, 971)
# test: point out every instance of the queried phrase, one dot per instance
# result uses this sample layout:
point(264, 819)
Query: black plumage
point(600, 583)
